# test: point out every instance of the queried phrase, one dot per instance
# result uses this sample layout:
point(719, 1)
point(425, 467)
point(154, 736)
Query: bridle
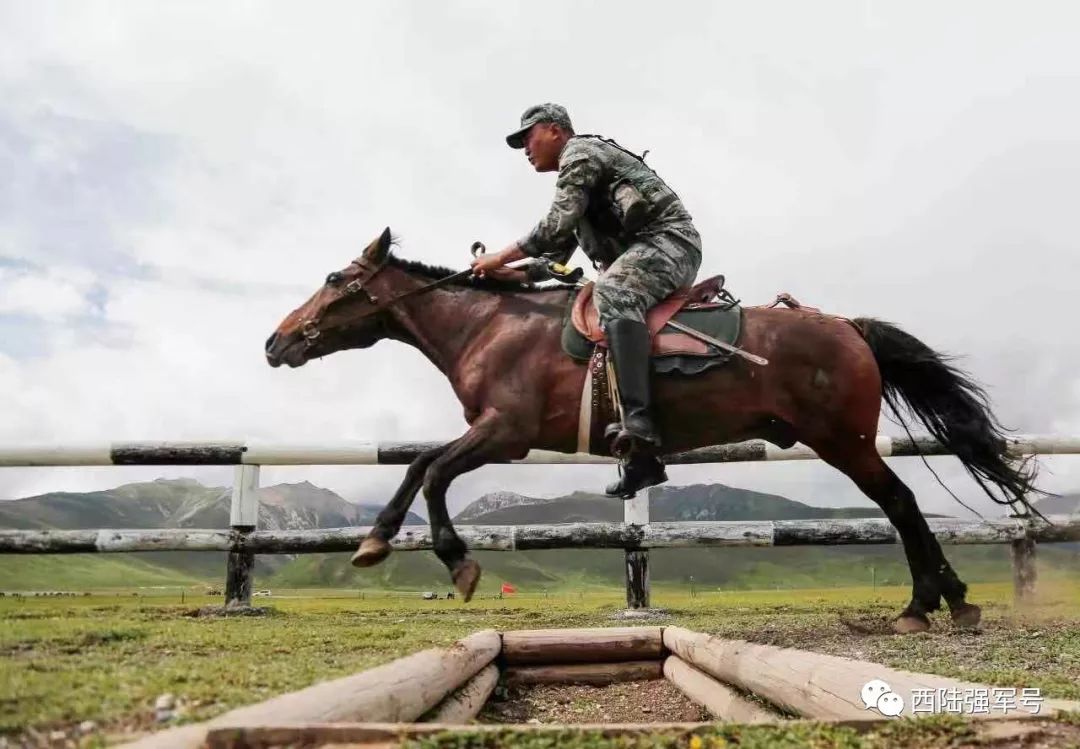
point(368, 271)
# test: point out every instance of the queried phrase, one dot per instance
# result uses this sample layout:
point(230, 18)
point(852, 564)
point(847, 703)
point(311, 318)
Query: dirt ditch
point(655, 701)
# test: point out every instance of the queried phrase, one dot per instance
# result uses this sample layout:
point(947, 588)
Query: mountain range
point(186, 503)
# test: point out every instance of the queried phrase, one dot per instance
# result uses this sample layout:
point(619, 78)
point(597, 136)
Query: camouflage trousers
point(648, 272)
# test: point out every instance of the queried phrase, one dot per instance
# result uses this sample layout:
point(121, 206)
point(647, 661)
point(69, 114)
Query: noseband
point(310, 327)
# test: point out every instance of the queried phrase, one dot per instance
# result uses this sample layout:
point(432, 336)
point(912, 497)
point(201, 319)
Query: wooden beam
point(636, 512)
point(824, 687)
point(1025, 572)
point(637, 579)
point(399, 691)
point(239, 569)
point(466, 702)
point(525, 537)
point(595, 674)
point(719, 699)
point(601, 644)
point(243, 519)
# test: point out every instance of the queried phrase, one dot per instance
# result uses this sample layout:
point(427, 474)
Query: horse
point(498, 343)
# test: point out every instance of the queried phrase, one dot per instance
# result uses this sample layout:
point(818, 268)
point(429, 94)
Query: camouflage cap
point(536, 114)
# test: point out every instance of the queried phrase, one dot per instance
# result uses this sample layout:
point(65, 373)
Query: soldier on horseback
point(637, 233)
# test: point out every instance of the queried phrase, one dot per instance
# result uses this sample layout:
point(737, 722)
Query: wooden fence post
point(243, 518)
point(1023, 560)
point(636, 511)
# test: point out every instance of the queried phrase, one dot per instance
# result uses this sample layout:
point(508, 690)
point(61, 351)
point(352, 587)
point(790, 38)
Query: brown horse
point(499, 345)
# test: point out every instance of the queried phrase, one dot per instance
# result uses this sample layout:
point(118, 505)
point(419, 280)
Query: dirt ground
point(655, 701)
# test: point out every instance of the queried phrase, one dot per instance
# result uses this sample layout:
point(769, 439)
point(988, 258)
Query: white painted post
point(243, 518)
point(245, 497)
point(636, 512)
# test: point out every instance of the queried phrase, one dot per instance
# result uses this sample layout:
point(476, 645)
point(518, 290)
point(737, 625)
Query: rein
point(310, 327)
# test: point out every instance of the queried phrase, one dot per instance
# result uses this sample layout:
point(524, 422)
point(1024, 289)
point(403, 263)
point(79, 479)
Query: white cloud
point(184, 175)
point(53, 294)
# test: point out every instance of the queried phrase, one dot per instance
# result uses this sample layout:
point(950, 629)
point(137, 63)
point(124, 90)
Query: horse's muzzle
point(281, 349)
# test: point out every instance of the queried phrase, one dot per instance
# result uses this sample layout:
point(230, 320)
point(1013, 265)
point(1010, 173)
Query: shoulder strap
point(611, 142)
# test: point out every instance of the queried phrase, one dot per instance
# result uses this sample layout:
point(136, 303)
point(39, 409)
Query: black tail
point(953, 407)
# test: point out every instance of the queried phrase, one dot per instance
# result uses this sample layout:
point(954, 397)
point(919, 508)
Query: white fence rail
point(402, 453)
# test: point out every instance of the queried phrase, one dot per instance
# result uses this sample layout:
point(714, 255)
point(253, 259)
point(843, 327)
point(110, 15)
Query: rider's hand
point(488, 264)
point(485, 264)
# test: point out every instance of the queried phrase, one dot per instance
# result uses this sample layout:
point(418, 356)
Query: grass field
point(107, 657)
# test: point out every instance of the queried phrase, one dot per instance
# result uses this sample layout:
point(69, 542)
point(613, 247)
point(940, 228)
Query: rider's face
point(543, 144)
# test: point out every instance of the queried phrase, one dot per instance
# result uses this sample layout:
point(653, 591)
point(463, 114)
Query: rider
point(637, 233)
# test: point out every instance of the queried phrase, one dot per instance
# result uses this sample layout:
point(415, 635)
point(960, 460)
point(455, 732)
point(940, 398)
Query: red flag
point(508, 588)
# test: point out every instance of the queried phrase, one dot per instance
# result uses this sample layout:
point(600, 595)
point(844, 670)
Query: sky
point(175, 177)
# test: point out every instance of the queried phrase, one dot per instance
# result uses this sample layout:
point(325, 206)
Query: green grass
point(85, 572)
point(107, 657)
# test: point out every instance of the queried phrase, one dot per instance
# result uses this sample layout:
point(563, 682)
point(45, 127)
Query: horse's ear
point(377, 250)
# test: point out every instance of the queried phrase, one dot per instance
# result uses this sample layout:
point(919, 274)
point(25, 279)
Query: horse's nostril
point(270, 341)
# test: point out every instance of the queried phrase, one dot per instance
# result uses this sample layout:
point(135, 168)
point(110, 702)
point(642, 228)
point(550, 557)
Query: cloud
point(177, 178)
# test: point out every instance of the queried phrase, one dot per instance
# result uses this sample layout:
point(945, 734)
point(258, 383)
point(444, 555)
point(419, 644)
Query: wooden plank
point(719, 699)
point(594, 674)
point(813, 685)
point(681, 535)
point(601, 644)
point(466, 702)
point(399, 691)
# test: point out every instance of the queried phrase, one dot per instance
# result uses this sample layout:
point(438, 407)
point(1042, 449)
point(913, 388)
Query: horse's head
point(342, 314)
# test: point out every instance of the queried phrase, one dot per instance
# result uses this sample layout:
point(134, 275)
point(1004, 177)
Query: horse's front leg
point(494, 437)
point(376, 546)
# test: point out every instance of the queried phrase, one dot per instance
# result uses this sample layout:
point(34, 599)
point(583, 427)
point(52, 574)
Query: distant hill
point(164, 503)
point(187, 503)
point(696, 502)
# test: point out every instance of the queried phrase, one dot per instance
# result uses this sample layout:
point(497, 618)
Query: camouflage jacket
point(585, 210)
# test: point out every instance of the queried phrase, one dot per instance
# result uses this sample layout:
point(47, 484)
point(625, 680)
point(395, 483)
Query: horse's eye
point(334, 278)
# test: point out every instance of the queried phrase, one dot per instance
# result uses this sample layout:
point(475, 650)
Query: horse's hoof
point(466, 576)
point(910, 624)
point(372, 551)
point(966, 616)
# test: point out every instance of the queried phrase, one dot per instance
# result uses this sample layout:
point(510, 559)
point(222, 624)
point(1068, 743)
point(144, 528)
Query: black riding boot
point(636, 439)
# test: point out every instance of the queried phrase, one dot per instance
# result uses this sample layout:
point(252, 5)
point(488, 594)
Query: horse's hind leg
point(932, 576)
point(376, 546)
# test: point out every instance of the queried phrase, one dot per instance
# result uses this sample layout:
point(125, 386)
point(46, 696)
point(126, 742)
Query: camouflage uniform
point(636, 231)
point(639, 267)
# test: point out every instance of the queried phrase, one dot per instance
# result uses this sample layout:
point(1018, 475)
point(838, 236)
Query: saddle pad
point(672, 351)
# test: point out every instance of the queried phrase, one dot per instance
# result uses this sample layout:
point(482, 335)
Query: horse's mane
point(435, 272)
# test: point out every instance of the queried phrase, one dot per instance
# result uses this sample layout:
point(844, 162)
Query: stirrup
point(636, 474)
point(622, 443)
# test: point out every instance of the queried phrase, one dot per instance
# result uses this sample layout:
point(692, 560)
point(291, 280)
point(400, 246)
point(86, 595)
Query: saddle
point(691, 306)
point(672, 351)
